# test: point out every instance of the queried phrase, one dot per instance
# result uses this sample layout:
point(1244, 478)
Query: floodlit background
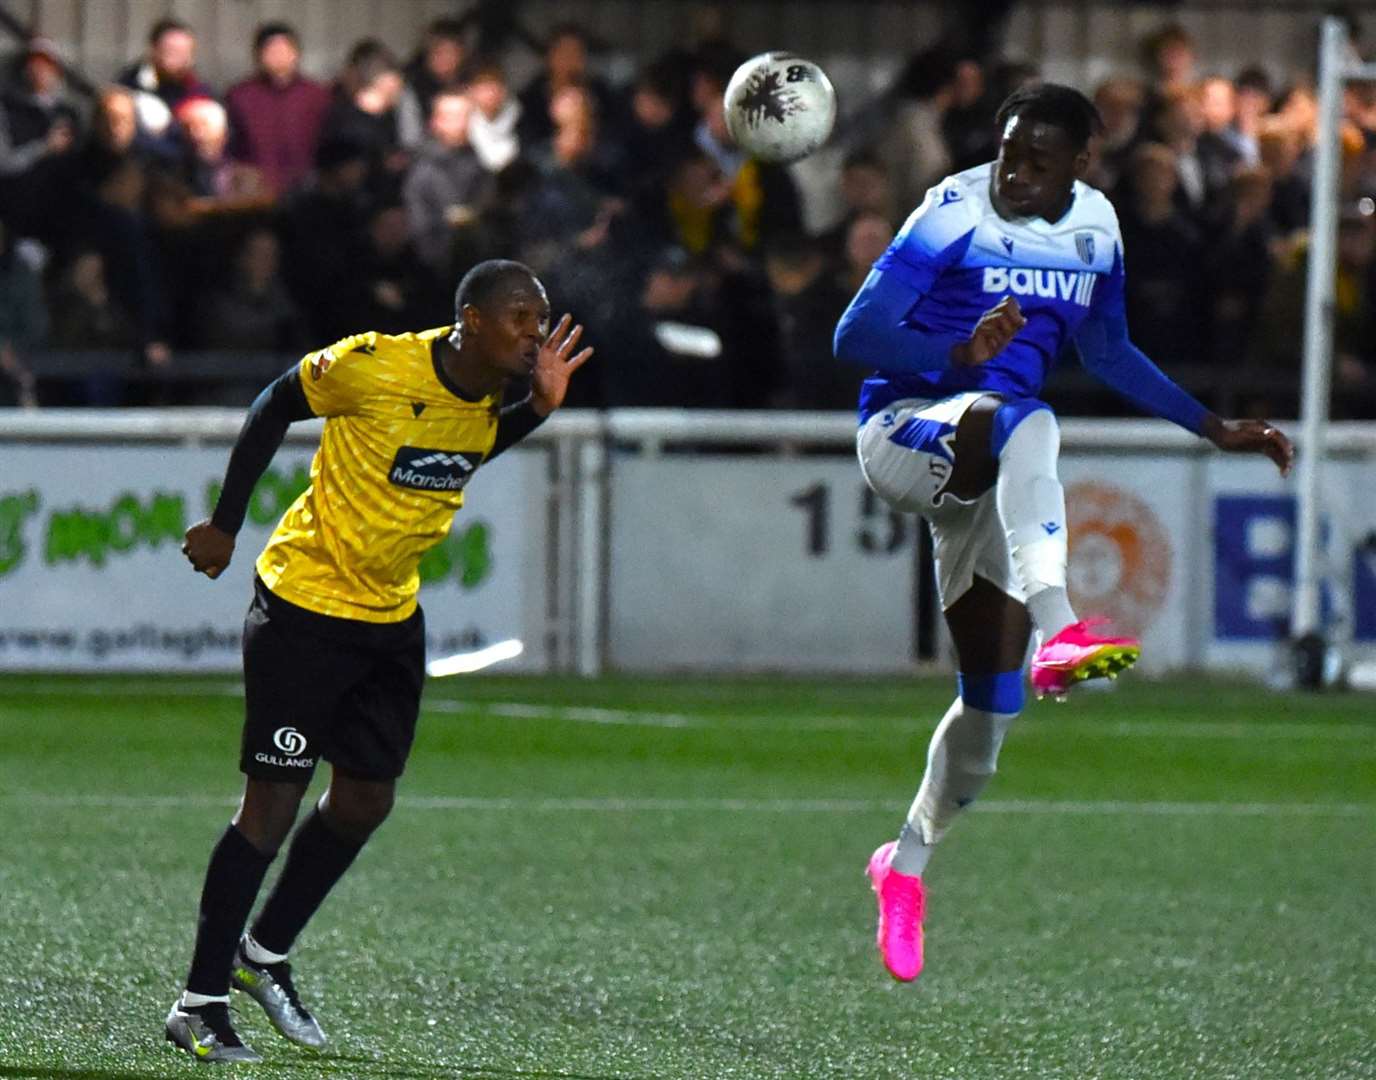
point(634, 846)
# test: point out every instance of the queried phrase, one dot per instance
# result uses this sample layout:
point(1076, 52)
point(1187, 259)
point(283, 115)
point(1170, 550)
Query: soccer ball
point(779, 107)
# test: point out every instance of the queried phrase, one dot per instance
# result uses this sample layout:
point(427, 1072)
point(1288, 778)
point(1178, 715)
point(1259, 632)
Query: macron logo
point(1051, 527)
point(432, 470)
point(1074, 285)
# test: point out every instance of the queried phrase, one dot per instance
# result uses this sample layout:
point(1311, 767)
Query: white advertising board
point(92, 576)
point(735, 563)
point(746, 563)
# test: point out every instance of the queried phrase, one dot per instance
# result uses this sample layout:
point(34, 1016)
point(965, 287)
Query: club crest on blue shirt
point(1084, 244)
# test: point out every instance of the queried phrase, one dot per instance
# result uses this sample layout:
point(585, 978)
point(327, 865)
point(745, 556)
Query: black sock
point(316, 860)
point(232, 881)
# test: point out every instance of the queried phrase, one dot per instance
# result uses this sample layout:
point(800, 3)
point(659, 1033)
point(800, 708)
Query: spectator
point(361, 54)
point(1354, 324)
point(447, 188)
point(322, 233)
point(658, 133)
point(968, 123)
point(161, 81)
point(275, 115)
point(253, 311)
point(914, 151)
point(209, 171)
point(566, 64)
point(391, 291)
point(865, 190)
point(111, 180)
point(38, 127)
point(113, 138)
point(435, 67)
point(1119, 102)
point(367, 117)
point(84, 313)
point(867, 238)
point(1252, 101)
point(23, 322)
point(1238, 266)
point(1162, 255)
point(1280, 148)
point(1222, 151)
point(697, 205)
point(1176, 126)
point(808, 301)
point(670, 350)
point(1169, 55)
point(577, 197)
point(493, 125)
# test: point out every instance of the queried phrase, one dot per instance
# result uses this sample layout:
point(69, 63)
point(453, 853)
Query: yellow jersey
point(398, 447)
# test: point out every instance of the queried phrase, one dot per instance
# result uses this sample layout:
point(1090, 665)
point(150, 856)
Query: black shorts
point(317, 687)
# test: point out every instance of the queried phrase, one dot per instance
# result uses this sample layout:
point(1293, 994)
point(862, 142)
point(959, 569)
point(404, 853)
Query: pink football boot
point(1076, 654)
point(901, 907)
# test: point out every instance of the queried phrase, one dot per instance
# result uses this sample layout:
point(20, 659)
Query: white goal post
point(1338, 66)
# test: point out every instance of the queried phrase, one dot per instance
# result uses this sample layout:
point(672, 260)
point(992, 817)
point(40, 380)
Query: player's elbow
point(851, 343)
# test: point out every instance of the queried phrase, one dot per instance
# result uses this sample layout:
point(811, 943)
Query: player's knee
point(1013, 413)
point(990, 704)
point(357, 808)
point(267, 813)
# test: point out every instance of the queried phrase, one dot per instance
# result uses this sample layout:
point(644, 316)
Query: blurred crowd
point(162, 215)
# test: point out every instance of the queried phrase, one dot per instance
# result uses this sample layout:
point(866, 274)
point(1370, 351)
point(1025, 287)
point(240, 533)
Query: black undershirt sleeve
point(514, 425)
point(274, 410)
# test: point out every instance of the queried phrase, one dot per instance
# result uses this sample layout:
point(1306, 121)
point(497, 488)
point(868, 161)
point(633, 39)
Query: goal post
point(1337, 67)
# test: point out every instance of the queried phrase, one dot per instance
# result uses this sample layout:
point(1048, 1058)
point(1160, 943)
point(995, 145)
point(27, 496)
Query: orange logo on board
point(1120, 556)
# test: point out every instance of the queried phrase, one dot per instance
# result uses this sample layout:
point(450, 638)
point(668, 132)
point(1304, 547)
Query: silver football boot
point(206, 1034)
point(270, 985)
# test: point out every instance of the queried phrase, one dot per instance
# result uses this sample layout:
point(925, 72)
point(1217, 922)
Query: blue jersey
point(955, 258)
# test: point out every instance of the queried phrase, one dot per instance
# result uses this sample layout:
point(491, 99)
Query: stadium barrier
point(663, 540)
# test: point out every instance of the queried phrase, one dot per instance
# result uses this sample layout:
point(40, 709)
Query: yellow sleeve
point(337, 379)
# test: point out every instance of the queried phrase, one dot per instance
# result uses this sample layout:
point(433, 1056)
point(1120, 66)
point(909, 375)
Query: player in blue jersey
point(1001, 269)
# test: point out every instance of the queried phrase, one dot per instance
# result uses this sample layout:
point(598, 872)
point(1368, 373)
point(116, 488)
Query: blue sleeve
point(873, 330)
point(1114, 360)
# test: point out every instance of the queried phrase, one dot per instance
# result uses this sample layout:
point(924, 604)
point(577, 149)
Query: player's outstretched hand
point(209, 549)
point(993, 332)
point(1251, 437)
point(555, 364)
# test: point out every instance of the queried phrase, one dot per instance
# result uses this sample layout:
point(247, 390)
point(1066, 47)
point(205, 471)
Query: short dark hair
point(166, 26)
point(484, 281)
point(1060, 106)
point(269, 30)
point(448, 29)
point(1254, 77)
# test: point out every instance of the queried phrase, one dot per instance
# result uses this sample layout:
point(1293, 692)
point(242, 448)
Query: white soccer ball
point(780, 107)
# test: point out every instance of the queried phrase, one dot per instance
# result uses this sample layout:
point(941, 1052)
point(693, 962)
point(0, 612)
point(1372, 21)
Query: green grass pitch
point(664, 878)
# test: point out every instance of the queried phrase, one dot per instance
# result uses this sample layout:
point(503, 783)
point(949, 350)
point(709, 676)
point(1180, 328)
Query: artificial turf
point(663, 878)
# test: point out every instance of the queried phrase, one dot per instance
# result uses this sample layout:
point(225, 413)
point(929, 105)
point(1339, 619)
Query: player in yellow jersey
point(334, 641)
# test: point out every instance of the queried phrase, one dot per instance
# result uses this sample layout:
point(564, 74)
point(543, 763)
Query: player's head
point(1044, 134)
point(501, 312)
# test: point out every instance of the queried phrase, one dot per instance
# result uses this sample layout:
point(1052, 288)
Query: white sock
point(260, 955)
point(963, 755)
point(195, 1001)
point(1031, 505)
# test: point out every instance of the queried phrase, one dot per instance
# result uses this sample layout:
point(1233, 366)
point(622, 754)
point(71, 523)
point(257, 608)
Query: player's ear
point(1082, 164)
point(471, 317)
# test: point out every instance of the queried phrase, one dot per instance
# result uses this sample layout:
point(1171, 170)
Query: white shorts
point(907, 452)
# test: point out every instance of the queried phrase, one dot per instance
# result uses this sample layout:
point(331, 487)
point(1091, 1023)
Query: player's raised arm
point(875, 329)
point(209, 544)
